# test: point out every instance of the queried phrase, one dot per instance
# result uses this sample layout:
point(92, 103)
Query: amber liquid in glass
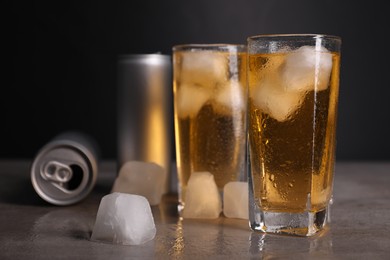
point(210, 118)
point(292, 150)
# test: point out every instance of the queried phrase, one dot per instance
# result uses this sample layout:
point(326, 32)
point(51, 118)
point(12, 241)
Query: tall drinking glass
point(210, 112)
point(293, 84)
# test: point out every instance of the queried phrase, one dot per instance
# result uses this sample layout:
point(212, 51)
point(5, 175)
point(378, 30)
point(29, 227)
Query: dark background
point(60, 59)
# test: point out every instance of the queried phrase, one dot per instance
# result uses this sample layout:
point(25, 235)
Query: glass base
point(298, 224)
point(306, 223)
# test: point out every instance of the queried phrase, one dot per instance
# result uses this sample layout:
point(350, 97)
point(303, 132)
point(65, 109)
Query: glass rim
point(209, 46)
point(295, 35)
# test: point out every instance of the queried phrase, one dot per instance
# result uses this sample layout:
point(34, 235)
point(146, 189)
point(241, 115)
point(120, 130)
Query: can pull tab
point(57, 172)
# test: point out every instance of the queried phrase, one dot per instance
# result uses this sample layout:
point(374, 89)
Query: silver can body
point(64, 171)
point(145, 110)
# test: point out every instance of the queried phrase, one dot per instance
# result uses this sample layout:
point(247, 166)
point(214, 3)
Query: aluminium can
point(145, 111)
point(64, 171)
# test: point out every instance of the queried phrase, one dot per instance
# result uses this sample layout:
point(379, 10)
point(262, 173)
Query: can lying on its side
point(64, 171)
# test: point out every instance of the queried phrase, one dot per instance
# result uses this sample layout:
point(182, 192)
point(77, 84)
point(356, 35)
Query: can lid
point(63, 173)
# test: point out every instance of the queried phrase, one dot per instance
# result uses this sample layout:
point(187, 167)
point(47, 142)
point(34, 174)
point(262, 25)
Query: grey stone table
point(30, 228)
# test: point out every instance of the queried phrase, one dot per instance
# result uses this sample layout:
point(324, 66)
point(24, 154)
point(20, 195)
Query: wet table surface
point(30, 228)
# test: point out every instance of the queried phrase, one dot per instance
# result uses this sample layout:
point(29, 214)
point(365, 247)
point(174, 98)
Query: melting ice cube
point(190, 99)
point(271, 97)
point(235, 200)
point(231, 97)
point(307, 68)
point(124, 219)
point(202, 199)
point(204, 68)
point(141, 178)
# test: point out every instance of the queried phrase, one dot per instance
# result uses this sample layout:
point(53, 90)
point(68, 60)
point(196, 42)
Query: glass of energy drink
point(293, 85)
point(210, 112)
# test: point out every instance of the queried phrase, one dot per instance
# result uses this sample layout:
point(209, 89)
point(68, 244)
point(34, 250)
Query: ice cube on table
point(124, 219)
point(307, 68)
point(141, 178)
point(271, 98)
point(190, 99)
point(235, 200)
point(230, 97)
point(202, 198)
point(203, 68)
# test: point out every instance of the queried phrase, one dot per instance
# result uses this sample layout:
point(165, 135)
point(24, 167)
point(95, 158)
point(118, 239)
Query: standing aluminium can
point(145, 110)
point(64, 171)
